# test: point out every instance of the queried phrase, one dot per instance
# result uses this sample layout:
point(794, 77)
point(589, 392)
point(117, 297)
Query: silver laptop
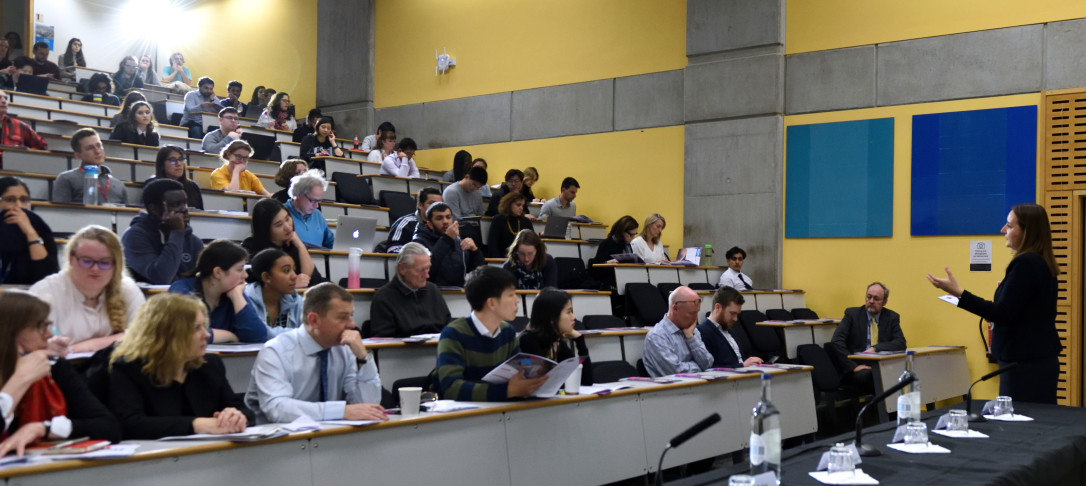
point(355, 232)
point(556, 227)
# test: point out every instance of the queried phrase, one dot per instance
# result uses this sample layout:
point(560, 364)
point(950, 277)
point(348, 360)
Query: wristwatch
point(48, 426)
point(38, 241)
point(362, 361)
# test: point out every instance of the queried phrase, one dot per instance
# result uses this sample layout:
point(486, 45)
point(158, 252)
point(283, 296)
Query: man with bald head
point(674, 344)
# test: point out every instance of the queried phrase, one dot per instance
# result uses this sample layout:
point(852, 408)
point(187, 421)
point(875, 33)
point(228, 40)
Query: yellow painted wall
point(836, 271)
point(618, 176)
point(815, 25)
point(503, 45)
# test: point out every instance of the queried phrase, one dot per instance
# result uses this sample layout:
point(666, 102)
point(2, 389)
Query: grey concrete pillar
point(345, 42)
point(733, 105)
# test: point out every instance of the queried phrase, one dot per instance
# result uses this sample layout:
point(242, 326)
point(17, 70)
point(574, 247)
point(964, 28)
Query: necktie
point(323, 355)
point(745, 283)
point(873, 336)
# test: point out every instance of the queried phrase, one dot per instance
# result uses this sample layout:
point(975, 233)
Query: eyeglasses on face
point(175, 161)
point(88, 263)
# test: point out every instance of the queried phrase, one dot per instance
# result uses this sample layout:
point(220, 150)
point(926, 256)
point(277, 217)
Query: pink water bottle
point(354, 265)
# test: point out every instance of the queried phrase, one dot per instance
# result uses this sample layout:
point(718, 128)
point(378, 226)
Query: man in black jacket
point(452, 256)
point(867, 329)
point(716, 331)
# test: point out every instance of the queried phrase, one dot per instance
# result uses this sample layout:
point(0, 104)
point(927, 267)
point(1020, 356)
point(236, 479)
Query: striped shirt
point(464, 357)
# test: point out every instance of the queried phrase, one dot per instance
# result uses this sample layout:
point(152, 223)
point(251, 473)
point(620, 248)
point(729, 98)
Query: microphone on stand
point(979, 417)
point(686, 435)
point(868, 450)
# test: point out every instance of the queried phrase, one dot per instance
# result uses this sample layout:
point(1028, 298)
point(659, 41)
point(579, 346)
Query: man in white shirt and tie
point(716, 331)
point(734, 277)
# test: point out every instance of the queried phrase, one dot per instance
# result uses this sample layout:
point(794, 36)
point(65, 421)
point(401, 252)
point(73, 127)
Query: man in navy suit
point(716, 331)
point(867, 329)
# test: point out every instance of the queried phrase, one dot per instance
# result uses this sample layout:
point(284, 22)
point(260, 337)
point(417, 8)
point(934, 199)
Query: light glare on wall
point(157, 21)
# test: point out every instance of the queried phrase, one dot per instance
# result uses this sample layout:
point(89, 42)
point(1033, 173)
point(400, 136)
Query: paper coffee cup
point(573, 383)
point(409, 400)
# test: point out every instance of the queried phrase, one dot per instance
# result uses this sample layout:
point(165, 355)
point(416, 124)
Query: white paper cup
point(409, 400)
point(573, 383)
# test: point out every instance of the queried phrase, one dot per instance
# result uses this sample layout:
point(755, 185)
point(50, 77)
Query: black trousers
point(1031, 381)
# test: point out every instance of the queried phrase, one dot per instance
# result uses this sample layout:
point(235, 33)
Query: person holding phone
point(28, 252)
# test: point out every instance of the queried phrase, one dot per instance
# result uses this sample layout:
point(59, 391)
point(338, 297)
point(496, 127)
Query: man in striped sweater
point(472, 346)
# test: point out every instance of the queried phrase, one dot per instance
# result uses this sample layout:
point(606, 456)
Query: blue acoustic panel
point(840, 179)
point(970, 167)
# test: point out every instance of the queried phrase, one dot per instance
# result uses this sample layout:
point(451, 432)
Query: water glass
point(741, 480)
point(916, 433)
point(959, 421)
point(840, 460)
point(1003, 406)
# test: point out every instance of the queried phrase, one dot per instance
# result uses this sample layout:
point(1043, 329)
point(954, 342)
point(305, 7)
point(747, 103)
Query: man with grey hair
point(410, 304)
point(674, 344)
point(866, 329)
point(306, 192)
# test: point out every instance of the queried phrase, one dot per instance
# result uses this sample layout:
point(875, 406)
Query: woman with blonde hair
point(42, 401)
point(233, 176)
point(529, 262)
point(531, 176)
point(161, 382)
point(647, 245)
point(92, 299)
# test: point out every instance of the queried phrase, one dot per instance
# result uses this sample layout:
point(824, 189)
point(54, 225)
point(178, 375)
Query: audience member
point(42, 401)
point(16, 43)
point(562, 205)
point(716, 331)
point(197, 101)
point(258, 101)
point(461, 164)
point(219, 282)
point(101, 90)
point(16, 133)
point(369, 142)
point(22, 66)
point(127, 76)
point(159, 245)
point(122, 115)
point(28, 252)
point(306, 194)
point(484, 190)
point(72, 58)
point(617, 242)
point(232, 175)
point(5, 57)
point(228, 131)
point(287, 170)
point(647, 245)
point(409, 304)
point(170, 164)
point(310, 125)
point(403, 229)
point(401, 163)
point(273, 227)
point(514, 182)
point(68, 186)
point(320, 370)
point(177, 76)
point(92, 300)
point(386, 146)
point(551, 334)
point(147, 71)
point(453, 257)
point(505, 227)
point(42, 65)
point(472, 346)
point(867, 329)
point(233, 98)
point(279, 114)
point(734, 277)
point(140, 127)
point(320, 143)
point(162, 381)
point(531, 176)
point(271, 291)
point(674, 344)
point(463, 197)
point(529, 262)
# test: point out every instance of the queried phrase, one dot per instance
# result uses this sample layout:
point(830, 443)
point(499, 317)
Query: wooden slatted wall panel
point(1064, 167)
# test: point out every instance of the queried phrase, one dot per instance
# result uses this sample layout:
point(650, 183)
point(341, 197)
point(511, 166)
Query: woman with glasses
point(161, 382)
point(306, 193)
point(170, 164)
point(278, 115)
point(219, 282)
point(92, 299)
point(139, 128)
point(507, 224)
point(647, 245)
point(42, 401)
point(233, 176)
point(529, 262)
point(617, 242)
point(550, 333)
point(28, 252)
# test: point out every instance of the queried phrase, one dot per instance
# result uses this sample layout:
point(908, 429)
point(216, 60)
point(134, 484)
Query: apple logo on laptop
point(355, 234)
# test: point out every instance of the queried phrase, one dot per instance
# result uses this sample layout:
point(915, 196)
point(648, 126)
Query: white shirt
point(75, 320)
point(375, 156)
point(731, 279)
point(731, 340)
point(641, 249)
point(395, 165)
point(483, 331)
